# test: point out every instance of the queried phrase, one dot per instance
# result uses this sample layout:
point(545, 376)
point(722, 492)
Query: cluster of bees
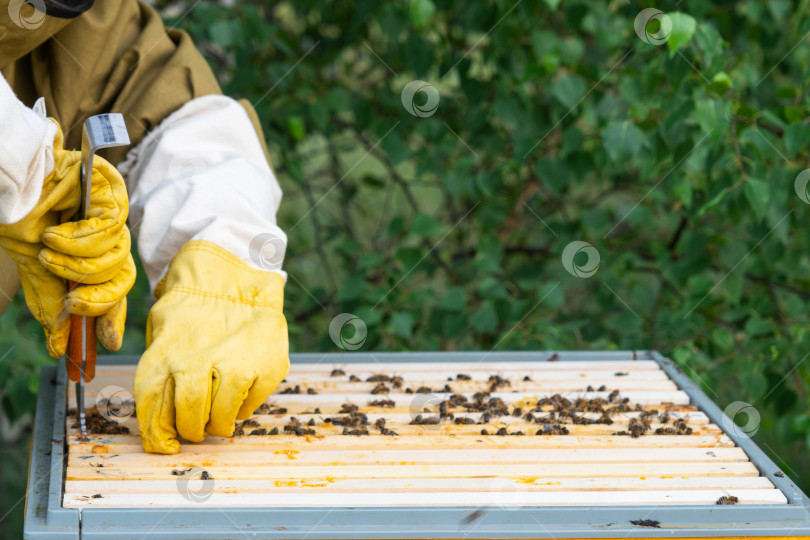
point(551, 412)
point(297, 390)
point(98, 425)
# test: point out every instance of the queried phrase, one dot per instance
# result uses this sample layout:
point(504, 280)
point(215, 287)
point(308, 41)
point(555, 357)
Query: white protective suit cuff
point(202, 175)
point(26, 155)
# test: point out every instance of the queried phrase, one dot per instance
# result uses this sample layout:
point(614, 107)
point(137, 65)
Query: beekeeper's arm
point(39, 190)
point(204, 200)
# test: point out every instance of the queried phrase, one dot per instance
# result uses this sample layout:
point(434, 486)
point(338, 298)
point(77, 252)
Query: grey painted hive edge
point(759, 458)
point(45, 518)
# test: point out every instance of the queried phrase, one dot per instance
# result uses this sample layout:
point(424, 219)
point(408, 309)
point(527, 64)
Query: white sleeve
point(26, 155)
point(202, 175)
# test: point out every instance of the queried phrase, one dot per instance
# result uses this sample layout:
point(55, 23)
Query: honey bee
point(311, 391)
point(727, 499)
point(462, 421)
point(463, 377)
point(396, 382)
point(379, 377)
point(424, 390)
point(380, 389)
point(354, 378)
point(382, 403)
point(337, 373)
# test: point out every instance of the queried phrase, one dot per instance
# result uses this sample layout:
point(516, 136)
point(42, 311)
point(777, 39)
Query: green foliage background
point(556, 123)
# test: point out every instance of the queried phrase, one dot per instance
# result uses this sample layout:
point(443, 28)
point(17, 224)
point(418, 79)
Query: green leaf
point(797, 137)
point(401, 324)
point(485, 319)
point(569, 89)
point(758, 194)
point(683, 28)
point(453, 299)
point(296, 127)
point(424, 225)
point(622, 140)
point(421, 12)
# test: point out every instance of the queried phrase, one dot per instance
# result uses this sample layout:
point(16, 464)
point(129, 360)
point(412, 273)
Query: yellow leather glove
point(216, 347)
point(94, 252)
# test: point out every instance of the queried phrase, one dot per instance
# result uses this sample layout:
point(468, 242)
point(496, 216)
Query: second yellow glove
point(216, 347)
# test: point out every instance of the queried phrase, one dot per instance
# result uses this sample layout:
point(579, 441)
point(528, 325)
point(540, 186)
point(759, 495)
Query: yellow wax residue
point(100, 449)
point(526, 402)
point(290, 453)
point(643, 477)
point(534, 481)
point(667, 477)
point(286, 483)
point(338, 463)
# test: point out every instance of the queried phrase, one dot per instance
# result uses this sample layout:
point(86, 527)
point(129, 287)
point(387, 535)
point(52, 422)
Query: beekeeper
point(202, 205)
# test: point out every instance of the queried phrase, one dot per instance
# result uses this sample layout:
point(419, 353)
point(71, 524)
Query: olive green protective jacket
point(116, 57)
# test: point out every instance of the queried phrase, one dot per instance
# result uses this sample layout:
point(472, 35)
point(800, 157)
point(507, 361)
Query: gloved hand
point(94, 252)
point(216, 347)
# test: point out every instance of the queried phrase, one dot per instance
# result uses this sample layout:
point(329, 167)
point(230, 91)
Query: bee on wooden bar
point(261, 431)
point(447, 389)
point(291, 390)
point(311, 422)
point(485, 418)
point(424, 390)
point(238, 432)
point(311, 391)
point(484, 432)
point(527, 379)
point(396, 381)
point(249, 423)
point(354, 378)
point(728, 499)
point(348, 408)
point(463, 377)
point(205, 476)
point(380, 389)
point(496, 381)
point(502, 431)
point(337, 373)
point(380, 423)
point(419, 420)
point(613, 396)
point(273, 431)
point(517, 412)
point(378, 377)
point(589, 388)
point(382, 403)
point(97, 496)
point(180, 472)
point(461, 421)
point(664, 418)
point(620, 374)
point(355, 432)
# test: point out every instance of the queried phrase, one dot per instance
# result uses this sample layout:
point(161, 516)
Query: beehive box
point(426, 445)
